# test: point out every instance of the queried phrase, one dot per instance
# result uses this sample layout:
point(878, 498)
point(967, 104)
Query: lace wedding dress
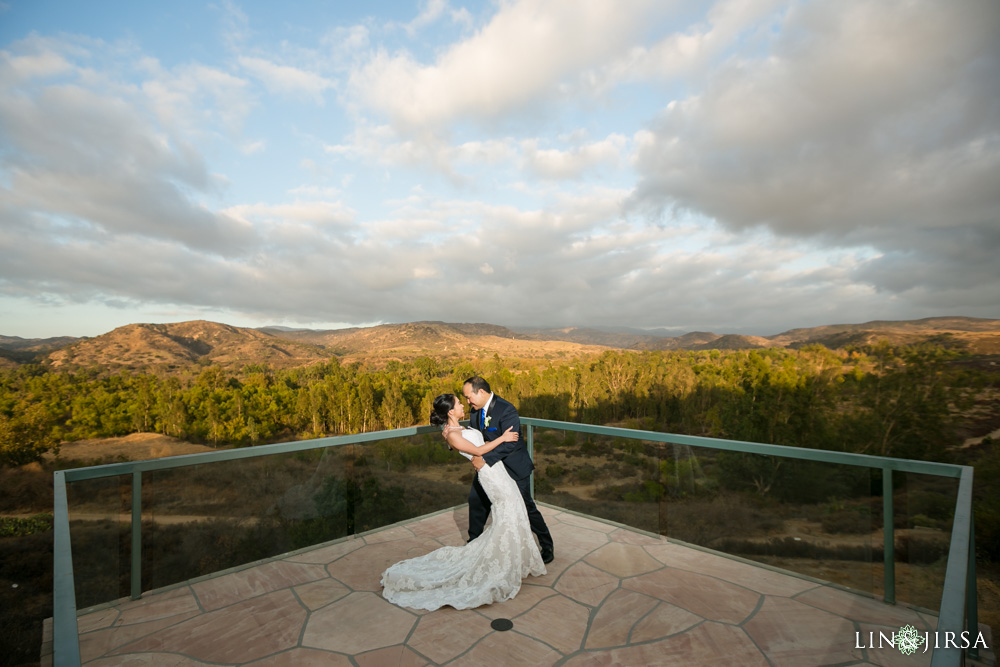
point(488, 569)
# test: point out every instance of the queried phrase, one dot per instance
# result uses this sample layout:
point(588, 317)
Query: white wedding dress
point(488, 569)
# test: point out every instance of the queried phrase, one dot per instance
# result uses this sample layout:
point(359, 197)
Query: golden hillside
point(179, 345)
point(975, 335)
point(438, 340)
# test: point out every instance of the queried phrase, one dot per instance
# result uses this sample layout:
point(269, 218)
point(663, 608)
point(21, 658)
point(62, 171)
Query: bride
point(488, 569)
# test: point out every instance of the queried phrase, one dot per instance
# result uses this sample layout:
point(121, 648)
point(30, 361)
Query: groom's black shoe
point(548, 556)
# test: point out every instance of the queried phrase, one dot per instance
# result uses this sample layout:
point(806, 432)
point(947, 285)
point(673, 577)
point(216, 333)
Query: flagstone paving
point(611, 597)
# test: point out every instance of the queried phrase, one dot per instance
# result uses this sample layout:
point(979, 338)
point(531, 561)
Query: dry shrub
point(847, 522)
point(917, 550)
point(705, 522)
point(25, 489)
point(25, 596)
point(789, 547)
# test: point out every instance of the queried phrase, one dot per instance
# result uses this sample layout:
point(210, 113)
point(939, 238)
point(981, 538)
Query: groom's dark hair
point(478, 384)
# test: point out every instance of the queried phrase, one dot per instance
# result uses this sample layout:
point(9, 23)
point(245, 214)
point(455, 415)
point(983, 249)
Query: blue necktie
point(482, 419)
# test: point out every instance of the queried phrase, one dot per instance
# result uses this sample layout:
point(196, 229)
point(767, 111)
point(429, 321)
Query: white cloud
point(431, 12)
point(251, 147)
point(14, 69)
point(517, 59)
point(94, 162)
point(683, 53)
point(315, 192)
point(235, 25)
point(194, 97)
point(347, 40)
point(285, 79)
point(381, 144)
point(309, 213)
point(555, 164)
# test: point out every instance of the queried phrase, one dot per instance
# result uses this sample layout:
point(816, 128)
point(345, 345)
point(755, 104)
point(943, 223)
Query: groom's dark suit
point(500, 415)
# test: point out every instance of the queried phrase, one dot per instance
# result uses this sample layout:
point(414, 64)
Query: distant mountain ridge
point(15, 350)
point(177, 346)
point(975, 334)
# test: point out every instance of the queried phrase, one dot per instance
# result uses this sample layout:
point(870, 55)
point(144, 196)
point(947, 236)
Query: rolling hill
point(976, 335)
point(435, 339)
point(178, 346)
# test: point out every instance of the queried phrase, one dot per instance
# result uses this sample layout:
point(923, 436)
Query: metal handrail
point(65, 633)
point(958, 602)
point(170, 462)
point(959, 578)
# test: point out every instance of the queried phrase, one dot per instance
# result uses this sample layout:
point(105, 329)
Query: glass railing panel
point(99, 514)
point(206, 518)
point(202, 519)
point(404, 478)
point(819, 519)
point(698, 511)
point(924, 511)
point(617, 479)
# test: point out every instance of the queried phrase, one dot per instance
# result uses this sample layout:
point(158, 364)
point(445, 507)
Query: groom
point(491, 415)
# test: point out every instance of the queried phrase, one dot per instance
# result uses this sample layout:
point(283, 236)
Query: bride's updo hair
point(442, 406)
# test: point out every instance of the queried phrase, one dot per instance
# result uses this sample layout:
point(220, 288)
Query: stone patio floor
point(612, 596)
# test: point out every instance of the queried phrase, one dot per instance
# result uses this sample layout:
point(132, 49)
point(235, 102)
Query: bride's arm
point(456, 441)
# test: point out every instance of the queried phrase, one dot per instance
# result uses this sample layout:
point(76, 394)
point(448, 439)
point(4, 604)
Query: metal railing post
point(956, 602)
point(529, 442)
point(65, 631)
point(971, 601)
point(888, 538)
point(136, 570)
point(661, 510)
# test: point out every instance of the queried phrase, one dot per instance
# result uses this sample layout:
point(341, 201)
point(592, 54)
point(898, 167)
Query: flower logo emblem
point(908, 640)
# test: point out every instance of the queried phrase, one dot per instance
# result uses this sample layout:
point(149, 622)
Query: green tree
point(25, 437)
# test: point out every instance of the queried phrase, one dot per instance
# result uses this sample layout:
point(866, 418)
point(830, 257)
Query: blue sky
point(743, 166)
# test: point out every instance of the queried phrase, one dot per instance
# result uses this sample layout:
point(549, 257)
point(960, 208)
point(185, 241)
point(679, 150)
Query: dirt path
point(134, 447)
point(812, 533)
point(972, 442)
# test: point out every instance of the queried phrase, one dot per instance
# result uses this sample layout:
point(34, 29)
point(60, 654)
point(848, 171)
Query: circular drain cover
point(501, 624)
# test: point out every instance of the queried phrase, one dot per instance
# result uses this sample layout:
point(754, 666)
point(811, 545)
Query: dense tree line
point(883, 400)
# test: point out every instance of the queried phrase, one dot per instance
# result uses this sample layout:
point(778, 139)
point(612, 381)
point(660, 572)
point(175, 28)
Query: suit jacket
point(500, 415)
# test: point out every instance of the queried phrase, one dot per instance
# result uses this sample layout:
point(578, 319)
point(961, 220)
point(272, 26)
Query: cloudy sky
point(742, 166)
